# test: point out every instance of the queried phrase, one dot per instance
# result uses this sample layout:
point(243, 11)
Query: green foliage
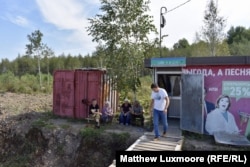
point(8, 82)
point(123, 26)
point(27, 65)
point(212, 31)
point(40, 123)
point(143, 93)
point(65, 126)
point(35, 48)
point(238, 39)
point(240, 49)
point(120, 140)
point(90, 132)
point(223, 49)
point(238, 34)
point(35, 40)
point(182, 43)
point(25, 84)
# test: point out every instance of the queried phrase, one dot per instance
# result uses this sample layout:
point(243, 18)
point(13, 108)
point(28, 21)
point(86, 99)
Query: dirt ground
point(15, 104)
point(28, 127)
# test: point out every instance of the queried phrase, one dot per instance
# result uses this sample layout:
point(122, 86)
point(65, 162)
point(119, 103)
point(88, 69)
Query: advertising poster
point(227, 98)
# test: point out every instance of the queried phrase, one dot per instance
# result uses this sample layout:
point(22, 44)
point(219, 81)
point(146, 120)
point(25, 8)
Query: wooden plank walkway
point(172, 142)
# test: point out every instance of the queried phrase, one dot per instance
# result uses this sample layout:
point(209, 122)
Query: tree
point(123, 27)
point(182, 43)
point(212, 31)
point(238, 39)
point(4, 66)
point(26, 64)
point(241, 48)
point(237, 35)
point(47, 53)
point(199, 49)
point(35, 48)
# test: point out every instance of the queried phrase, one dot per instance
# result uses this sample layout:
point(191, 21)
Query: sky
point(63, 22)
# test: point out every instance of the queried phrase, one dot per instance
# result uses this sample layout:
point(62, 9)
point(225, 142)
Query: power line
point(178, 6)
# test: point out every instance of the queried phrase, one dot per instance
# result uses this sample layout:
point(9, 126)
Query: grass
point(90, 132)
point(50, 126)
point(40, 123)
point(65, 126)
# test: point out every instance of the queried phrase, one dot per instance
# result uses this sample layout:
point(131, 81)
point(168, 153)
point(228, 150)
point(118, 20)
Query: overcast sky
point(64, 22)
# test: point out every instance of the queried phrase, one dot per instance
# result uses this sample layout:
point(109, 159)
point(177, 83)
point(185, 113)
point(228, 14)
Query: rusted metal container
point(88, 86)
point(63, 93)
point(74, 90)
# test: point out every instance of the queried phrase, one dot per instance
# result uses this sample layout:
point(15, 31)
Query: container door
point(95, 87)
point(63, 93)
point(192, 117)
point(88, 87)
point(81, 97)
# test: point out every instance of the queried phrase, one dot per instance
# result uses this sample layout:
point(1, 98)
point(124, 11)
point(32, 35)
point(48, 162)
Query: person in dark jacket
point(125, 113)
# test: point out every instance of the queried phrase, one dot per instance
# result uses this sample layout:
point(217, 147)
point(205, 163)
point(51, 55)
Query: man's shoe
point(156, 138)
point(164, 134)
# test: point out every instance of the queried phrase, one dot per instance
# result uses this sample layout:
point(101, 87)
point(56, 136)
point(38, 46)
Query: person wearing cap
point(137, 112)
point(107, 113)
point(125, 113)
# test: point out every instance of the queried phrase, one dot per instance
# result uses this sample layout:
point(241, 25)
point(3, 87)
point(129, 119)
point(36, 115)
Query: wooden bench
point(90, 119)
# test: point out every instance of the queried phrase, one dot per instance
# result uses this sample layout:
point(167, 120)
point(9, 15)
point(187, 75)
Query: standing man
point(159, 105)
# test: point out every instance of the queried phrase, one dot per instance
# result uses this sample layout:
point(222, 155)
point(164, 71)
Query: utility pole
point(163, 20)
point(162, 24)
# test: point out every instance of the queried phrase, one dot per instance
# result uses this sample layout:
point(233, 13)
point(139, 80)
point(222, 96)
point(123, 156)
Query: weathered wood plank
point(162, 143)
point(153, 149)
point(156, 147)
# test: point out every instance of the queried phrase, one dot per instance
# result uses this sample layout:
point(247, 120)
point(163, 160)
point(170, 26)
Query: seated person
point(125, 113)
point(107, 113)
point(94, 112)
point(137, 112)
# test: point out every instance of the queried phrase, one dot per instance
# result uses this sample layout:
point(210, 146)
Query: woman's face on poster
point(223, 103)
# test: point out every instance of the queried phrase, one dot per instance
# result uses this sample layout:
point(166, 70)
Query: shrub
point(26, 83)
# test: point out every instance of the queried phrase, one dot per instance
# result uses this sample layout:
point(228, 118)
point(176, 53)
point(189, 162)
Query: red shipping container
point(73, 91)
point(63, 93)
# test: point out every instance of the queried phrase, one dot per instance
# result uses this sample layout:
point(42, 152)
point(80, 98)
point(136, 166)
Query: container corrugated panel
point(88, 86)
point(63, 93)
